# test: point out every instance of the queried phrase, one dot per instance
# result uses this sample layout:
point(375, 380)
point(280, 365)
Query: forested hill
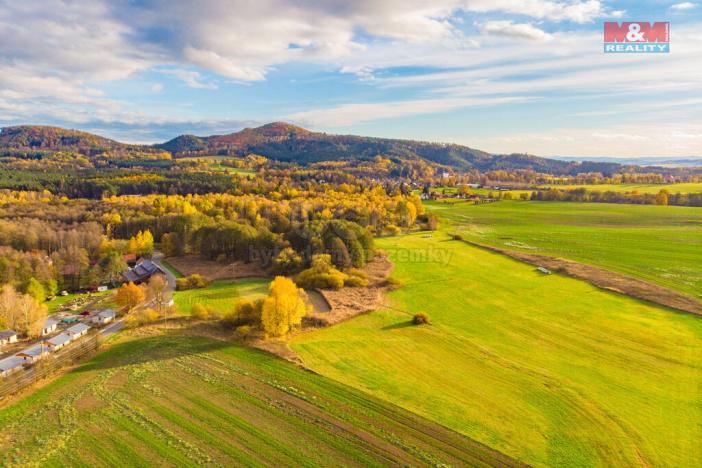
point(284, 142)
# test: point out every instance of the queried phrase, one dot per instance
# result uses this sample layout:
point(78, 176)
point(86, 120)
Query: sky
point(503, 76)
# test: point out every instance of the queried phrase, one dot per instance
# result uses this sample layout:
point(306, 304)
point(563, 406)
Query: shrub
point(457, 237)
point(194, 281)
point(243, 331)
point(199, 311)
point(355, 278)
point(287, 261)
point(392, 283)
point(393, 230)
point(321, 274)
point(420, 319)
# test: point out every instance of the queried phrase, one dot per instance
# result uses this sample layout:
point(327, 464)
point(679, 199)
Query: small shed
point(104, 317)
point(49, 326)
point(10, 365)
point(58, 342)
point(76, 331)
point(7, 337)
point(34, 353)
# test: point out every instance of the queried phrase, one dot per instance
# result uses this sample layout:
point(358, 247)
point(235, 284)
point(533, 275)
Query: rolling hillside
point(180, 400)
point(288, 143)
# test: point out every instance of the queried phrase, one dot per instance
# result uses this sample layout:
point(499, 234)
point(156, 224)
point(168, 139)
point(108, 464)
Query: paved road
point(157, 258)
point(112, 328)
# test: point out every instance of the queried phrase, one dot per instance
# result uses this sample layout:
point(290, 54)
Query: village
point(64, 330)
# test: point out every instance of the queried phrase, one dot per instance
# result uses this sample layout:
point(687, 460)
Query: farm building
point(7, 337)
point(76, 331)
point(104, 317)
point(142, 272)
point(10, 365)
point(34, 353)
point(49, 326)
point(58, 342)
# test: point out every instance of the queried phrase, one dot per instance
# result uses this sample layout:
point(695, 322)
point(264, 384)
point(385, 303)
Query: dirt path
point(605, 279)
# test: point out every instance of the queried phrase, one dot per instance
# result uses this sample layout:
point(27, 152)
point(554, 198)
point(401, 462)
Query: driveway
point(157, 258)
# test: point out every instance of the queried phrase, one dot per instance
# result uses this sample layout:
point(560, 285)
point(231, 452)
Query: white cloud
point(157, 87)
point(683, 6)
point(514, 30)
point(349, 114)
point(191, 78)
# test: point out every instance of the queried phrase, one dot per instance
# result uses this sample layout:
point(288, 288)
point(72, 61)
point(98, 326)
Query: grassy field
point(662, 244)
point(222, 295)
point(173, 270)
point(640, 188)
point(180, 400)
point(544, 368)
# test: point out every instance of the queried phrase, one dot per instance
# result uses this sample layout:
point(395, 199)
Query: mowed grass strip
point(547, 369)
point(182, 400)
point(221, 295)
point(661, 244)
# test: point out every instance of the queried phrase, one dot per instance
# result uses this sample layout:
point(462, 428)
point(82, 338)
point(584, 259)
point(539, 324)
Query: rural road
point(157, 259)
point(112, 328)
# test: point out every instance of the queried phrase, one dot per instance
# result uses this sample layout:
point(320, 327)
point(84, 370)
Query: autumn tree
point(284, 307)
point(158, 292)
point(36, 290)
point(130, 295)
point(142, 243)
point(21, 312)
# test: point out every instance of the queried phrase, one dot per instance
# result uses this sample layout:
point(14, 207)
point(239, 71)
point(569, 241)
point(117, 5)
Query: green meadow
point(692, 187)
point(222, 295)
point(545, 368)
point(179, 400)
point(662, 244)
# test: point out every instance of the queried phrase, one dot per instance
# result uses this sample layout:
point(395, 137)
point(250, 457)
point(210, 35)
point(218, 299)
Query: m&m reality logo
point(636, 37)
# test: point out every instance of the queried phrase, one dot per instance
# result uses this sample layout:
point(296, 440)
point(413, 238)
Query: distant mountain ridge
point(289, 143)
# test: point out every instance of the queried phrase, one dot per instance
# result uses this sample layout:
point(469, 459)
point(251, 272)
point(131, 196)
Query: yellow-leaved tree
point(284, 307)
point(130, 295)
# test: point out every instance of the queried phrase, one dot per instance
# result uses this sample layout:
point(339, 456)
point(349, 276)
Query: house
point(142, 272)
point(58, 342)
point(34, 353)
point(130, 259)
point(49, 326)
point(10, 365)
point(104, 317)
point(76, 331)
point(7, 337)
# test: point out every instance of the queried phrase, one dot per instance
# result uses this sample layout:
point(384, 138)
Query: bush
point(393, 230)
point(243, 331)
point(457, 237)
point(199, 311)
point(356, 278)
point(321, 275)
point(194, 281)
point(420, 319)
point(245, 312)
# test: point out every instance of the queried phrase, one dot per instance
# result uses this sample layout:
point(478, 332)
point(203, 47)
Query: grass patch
point(173, 270)
point(545, 368)
point(692, 187)
point(222, 295)
point(191, 401)
point(661, 244)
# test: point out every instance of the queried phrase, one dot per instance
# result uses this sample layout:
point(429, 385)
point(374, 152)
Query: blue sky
point(499, 75)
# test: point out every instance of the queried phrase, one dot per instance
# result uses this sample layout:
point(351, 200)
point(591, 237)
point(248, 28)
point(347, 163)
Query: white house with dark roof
point(76, 331)
point(7, 337)
point(58, 342)
point(34, 353)
point(104, 317)
point(49, 326)
point(10, 365)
